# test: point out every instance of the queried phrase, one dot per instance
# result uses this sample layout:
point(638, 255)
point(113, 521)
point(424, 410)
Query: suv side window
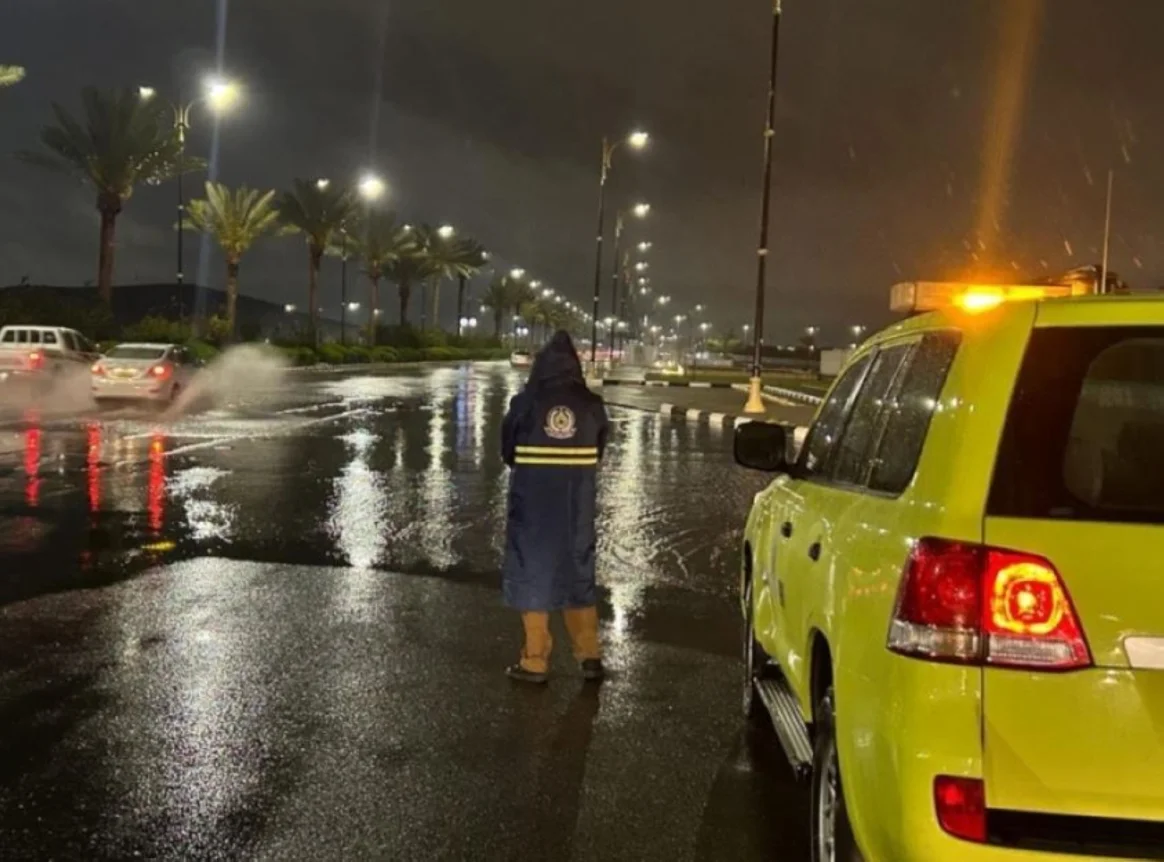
point(50, 337)
point(910, 414)
point(10, 336)
point(862, 432)
point(34, 336)
point(70, 343)
point(823, 434)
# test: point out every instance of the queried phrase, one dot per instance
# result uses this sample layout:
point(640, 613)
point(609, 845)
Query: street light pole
point(607, 154)
point(343, 284)
point(755, 403)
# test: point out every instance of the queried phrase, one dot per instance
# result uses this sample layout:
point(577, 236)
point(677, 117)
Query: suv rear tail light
point(960, 804)
point(972, 604)
point(98, 369)
point(161, 371)
point(35, 360)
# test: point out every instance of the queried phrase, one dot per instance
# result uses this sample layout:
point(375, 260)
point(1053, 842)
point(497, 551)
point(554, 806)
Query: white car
point(520, 359)
point(143, 372)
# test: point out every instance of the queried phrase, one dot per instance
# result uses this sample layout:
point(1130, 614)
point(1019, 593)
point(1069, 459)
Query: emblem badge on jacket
point(560, 423)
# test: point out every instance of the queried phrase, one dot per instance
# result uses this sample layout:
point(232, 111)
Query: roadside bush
point(332, 354)
point(299, 355)
point(202, 350)
point(384, 354)
point(157, 329)
point(358, 354)
point(439, 354)
point(409, 354)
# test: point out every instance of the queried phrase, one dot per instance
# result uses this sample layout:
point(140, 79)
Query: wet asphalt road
point(271, 629)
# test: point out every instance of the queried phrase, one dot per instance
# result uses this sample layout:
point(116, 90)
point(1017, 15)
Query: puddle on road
point(400, 483)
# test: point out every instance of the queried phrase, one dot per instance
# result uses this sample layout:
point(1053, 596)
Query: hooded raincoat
point(554, 437)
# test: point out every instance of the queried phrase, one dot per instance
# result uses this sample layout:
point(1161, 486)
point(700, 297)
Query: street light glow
point(146, 93)
point(353, 306)
point(644, 247)
point(446, 231)
point(642, 210)
point(534, 285)
point(322, 183)
point(372, 188)
point(289, 308)
point(221, 94)
point(638, 139)
point(517, 273)
point(642, 266)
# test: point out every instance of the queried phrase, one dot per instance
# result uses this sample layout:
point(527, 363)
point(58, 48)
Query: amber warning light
point(915, 297)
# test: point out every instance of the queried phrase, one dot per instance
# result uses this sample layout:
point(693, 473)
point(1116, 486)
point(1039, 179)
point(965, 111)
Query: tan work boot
point(582, 624)
point(535, 652)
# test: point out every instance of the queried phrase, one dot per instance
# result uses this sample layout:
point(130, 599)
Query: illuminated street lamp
point(536, 284)
point(446, 231)
point(642, 266)
point(219, 95)
point(322, 183)
point(289, 308)
point(641, 210)
point(637, 140)
point(857, 330)
point(517, 273)
point(371, 187)
point(644, 246)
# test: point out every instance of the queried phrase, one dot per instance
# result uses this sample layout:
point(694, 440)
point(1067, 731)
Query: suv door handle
point(786, 529)
point(814, 551)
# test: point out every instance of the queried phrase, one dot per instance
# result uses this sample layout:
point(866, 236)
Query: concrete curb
point(682, 384)
point(793, 395)
point(703, 417)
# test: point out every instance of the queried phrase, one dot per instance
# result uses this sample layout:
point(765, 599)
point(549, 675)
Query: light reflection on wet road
point(235, 695)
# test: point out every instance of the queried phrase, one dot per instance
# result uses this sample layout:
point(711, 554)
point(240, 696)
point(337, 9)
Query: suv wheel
point(832, 834)
point(755, 660)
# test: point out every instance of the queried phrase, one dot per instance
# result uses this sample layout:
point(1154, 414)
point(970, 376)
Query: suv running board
point(781, 704)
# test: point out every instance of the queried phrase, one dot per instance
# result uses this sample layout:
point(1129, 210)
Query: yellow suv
point(954, 592)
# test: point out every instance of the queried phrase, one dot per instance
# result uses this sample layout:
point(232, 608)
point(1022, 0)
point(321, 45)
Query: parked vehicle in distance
point(520, 359)
point(36, 355)
point(143, 372)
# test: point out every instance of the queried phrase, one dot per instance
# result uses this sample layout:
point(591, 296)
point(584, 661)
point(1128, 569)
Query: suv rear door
point(1079, 481)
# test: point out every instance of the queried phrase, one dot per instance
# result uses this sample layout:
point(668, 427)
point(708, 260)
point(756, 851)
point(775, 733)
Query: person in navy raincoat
point(553, 438)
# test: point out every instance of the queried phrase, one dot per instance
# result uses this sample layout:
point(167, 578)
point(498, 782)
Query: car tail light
point(972, 604)
point(960, 804)
point(98, 369)
point(35, 360)
point(161, 371)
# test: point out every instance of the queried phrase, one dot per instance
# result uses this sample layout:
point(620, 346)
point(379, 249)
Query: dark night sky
point(489, 117)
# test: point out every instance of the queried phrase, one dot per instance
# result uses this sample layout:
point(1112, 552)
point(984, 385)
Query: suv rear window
point(1084, 438)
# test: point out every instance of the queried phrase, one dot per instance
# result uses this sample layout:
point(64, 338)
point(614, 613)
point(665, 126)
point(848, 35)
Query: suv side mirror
point(762, 446)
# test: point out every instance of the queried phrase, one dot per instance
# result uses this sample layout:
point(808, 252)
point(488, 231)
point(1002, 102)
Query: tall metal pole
point(607, 151)
point(181, 117)
point(755, 403)
point(614, 283)
point(343, 285)
point(1106, 234)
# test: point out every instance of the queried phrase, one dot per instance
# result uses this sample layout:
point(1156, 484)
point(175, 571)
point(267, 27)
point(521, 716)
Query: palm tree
point(468, 258)
point(10, 75)
point(409, 268)
point(380, 242)
point(123, 141)
point(318, 210)
point(496, 299)
point(236, 219)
